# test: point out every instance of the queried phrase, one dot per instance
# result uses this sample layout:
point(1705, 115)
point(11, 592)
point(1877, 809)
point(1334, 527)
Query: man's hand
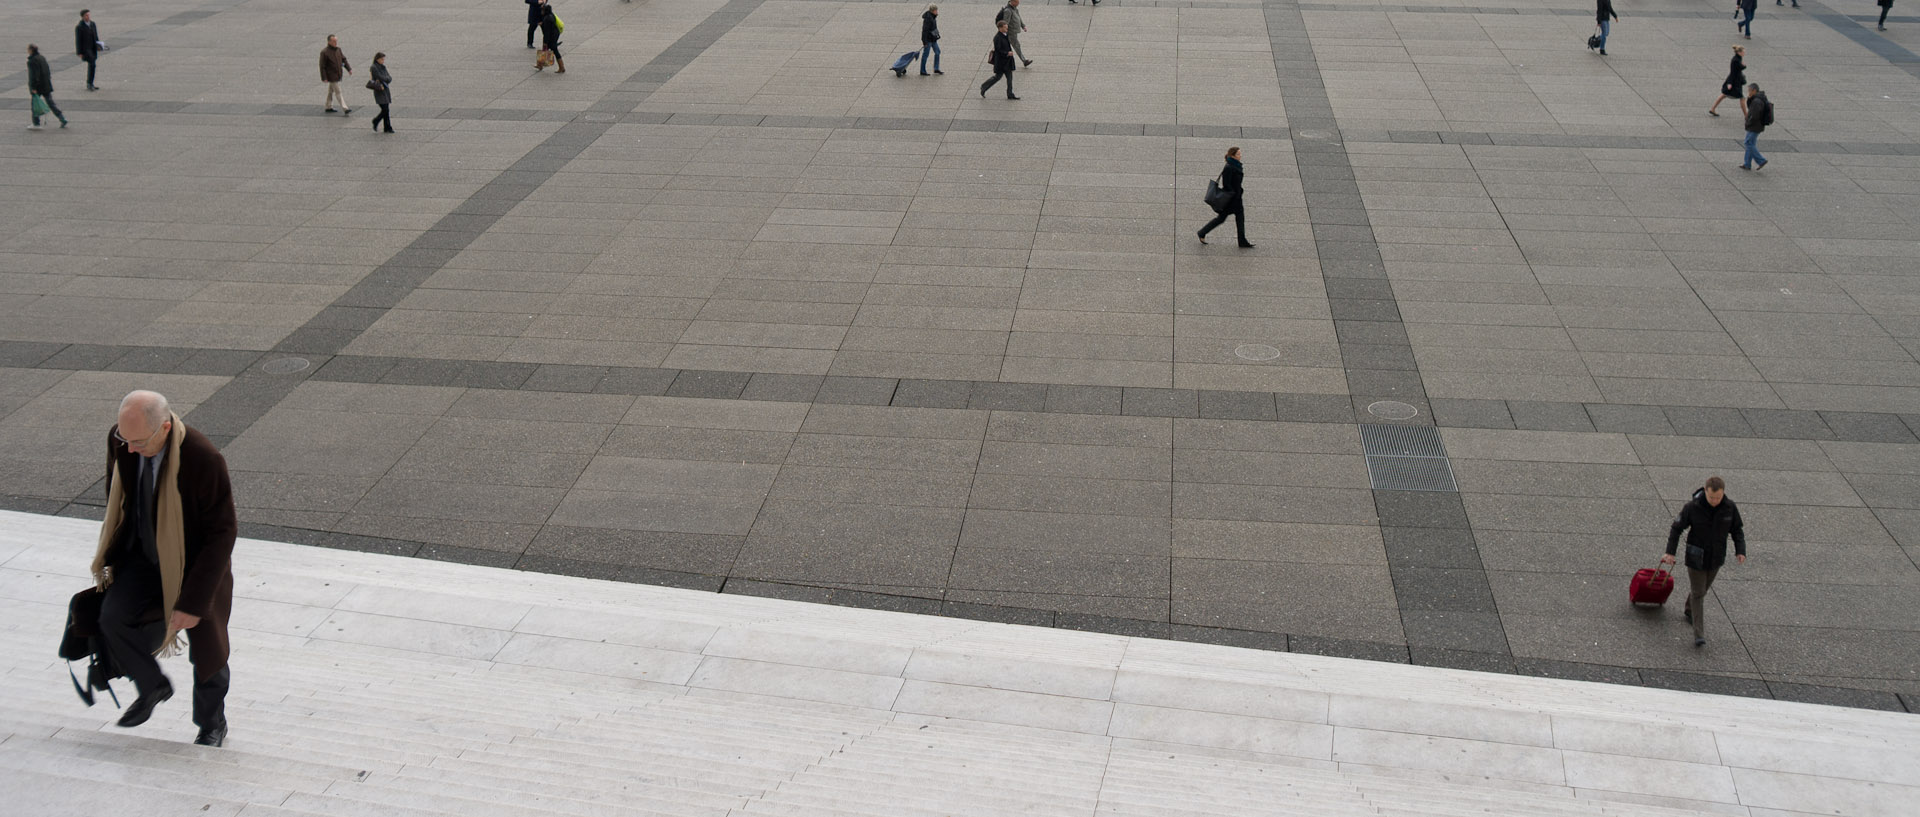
point(1742, 558)
point(1666, 559)
point(184, 621)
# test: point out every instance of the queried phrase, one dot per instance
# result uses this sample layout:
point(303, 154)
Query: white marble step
point(469, 690)
point(35, 793)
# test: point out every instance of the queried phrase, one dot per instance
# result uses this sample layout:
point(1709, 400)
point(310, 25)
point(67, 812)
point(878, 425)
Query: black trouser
point(996, 78)
point(531, 28)
point(131, 624)
point(385, 116)
point(1883, 23)
point(51, 108)
point(91, 61)
point(1239, 212)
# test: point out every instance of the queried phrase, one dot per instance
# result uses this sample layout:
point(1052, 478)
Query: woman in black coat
point(930, 39)
point(1735, 86)
point(534, 15)
point(1231, 178)
point(550, 36)
point(381, 95)
point(1002, 59)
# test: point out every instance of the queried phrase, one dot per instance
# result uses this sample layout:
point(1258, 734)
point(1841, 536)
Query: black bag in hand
point(1218, 197)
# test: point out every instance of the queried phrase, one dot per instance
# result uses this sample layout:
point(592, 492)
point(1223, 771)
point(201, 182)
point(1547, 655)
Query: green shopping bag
point(40, 106)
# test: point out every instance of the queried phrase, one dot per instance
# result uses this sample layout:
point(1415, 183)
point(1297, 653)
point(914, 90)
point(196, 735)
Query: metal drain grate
point(1411, 474)
point(1406, 458)
point(1381, 440)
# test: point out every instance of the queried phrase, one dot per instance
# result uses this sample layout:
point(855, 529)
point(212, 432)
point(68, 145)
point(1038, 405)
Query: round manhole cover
point(1255, 351)
point(1393, 410)
point(286, 365)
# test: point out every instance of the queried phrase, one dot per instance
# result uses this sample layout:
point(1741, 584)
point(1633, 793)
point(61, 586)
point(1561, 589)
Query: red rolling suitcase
point(1651, 585)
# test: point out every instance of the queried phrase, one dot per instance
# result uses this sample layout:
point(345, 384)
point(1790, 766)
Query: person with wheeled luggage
point(1708, 519)
point(930, 39)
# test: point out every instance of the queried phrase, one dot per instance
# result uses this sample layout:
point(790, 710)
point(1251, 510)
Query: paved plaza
point(729, 306)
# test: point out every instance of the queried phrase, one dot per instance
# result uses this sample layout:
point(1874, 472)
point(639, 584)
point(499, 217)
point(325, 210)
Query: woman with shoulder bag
point(381, 96)
point(1231, 181)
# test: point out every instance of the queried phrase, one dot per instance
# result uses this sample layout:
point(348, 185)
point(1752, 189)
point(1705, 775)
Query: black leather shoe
point(142, 707)
point(1699, 642)
point(1245, 246)
point(212, 736)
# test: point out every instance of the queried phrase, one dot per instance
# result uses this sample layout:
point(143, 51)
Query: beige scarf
point(169, 532)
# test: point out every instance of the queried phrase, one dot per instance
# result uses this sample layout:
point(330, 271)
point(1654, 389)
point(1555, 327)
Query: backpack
point(1766, 114)
point(1001, 17)
point(559, 26)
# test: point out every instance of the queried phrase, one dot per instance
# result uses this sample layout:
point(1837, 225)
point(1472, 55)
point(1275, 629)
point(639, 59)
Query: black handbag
point(81, 639)
point(1217, 197)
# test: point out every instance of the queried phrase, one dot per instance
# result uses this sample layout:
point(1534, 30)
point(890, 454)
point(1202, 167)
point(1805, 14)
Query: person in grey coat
point(381, 96)
point(40, 83)
point(1011, 16)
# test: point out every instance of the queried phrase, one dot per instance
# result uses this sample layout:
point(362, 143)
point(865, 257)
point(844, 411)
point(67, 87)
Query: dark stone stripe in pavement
point(1866, 38)
point(1447, 614)
point(1057, 398)
point(1229, 132)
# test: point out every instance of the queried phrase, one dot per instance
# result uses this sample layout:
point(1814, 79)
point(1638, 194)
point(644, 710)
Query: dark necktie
point(148, 545)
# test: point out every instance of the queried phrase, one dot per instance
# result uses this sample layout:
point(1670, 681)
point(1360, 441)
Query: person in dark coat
point(534, 15)
point(1759, 116)
point(1002, 58)
point(550, 35)
point(1748, 7)
point(1707, 519)
point(86, 43)
point(40, 83)
point(1735, 84)
point(1885, 6)
point(164, 559)
point(381, 96)
point(1605, 14)
point(930, 39)
point(333, 68)
point(1232, 180)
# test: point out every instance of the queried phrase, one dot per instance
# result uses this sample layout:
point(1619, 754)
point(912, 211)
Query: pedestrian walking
point(1606, 15)
point(381, 96)
point(1002, 59)
point(1232, 180)
point(1759, 116)
point(1747, 7)
point(1708, 519)
point(333, 67)
point(87, 43)
point(164, 559)
point(1735, 83)
point(1796, 3)
point(533, 19)
point(1015, 26)
point(1885, 6)
point(930, 39)
point(40, 87)
point(550, 36)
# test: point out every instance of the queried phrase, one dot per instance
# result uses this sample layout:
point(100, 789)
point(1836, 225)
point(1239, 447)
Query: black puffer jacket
point(1708, 527)
point(929, 26)
point(39, 75)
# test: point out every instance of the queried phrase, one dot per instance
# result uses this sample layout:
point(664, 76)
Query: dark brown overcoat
point(210, 525)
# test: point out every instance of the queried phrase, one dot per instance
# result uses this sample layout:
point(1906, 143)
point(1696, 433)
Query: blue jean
point(1747, 24)
point(931, 47)
point(1606, 27)
point(1753, 157)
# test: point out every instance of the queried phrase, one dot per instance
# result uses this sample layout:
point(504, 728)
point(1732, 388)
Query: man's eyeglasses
point(138, 443)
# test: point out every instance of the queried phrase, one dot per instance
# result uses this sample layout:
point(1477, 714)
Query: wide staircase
point(374, 685)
